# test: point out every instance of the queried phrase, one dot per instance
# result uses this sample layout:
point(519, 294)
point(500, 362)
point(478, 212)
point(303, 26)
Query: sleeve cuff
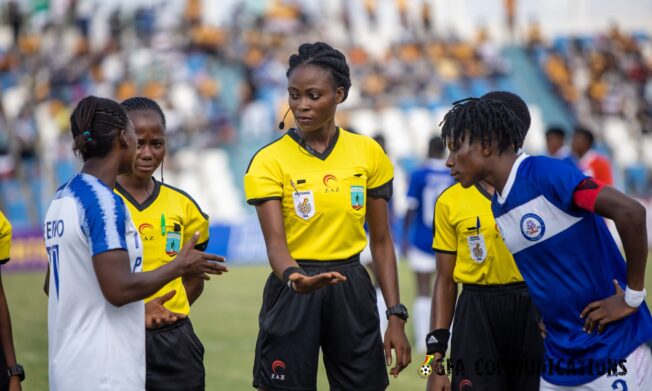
point(258, 201)
point(383, 191)
point(437, 250)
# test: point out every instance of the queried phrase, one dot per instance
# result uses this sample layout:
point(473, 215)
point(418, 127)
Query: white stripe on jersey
point(108, 208)
point(532, 223)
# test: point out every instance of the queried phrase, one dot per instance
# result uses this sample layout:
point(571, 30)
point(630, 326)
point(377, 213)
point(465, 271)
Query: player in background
point(96, 338)
point(590, 162)
point(549, 214)
point(426, 183)
point(313, 188)
point(11, 373)
point(556, 145)
point(166, 218)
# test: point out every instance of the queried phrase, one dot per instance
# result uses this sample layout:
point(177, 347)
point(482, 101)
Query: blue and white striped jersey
point(568, 259)
point(93, 345)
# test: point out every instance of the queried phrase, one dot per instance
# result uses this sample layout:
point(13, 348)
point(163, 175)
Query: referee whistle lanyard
point(295, 188)
point(162, 224)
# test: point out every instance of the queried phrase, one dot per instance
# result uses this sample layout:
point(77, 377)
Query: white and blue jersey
point(568, 259)
point(92, 345)
point(426, 184)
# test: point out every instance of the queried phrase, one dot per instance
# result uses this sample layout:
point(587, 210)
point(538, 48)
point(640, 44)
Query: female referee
point(166, 218)
point(95, 309)
point(313, 189)
point(550, 217)
point(495, 320)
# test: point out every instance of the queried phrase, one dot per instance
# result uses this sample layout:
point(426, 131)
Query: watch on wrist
point(17, 370)
point(398, 310)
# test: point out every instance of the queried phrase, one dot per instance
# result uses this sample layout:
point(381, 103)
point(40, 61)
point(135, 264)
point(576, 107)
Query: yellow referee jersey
point(465, 226)
point(5, 239)
point(323, 195)
point(166, 220)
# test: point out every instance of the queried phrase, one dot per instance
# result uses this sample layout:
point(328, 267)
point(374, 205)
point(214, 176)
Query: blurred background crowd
point(218, 70)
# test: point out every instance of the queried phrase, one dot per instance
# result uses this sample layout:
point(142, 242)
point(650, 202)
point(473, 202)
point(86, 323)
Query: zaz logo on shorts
point(532, 227)
point(278, 367)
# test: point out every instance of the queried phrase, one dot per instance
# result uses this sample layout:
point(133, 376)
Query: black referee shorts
point(342, 319)
point(175, 358)
point(496, 344)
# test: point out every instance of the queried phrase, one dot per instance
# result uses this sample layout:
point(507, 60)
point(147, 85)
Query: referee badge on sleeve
point(304, 204)
point(477, 248)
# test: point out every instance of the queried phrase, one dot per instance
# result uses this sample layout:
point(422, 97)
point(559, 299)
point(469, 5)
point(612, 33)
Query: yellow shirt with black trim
point(5, 239)
point(464, 225)
point(323, 195)
point(165, 221)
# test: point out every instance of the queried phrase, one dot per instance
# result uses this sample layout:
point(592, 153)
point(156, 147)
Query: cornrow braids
point(94, 124)
point(482, 119)
point(140, 103)
point(322, 54)
point(514, 102)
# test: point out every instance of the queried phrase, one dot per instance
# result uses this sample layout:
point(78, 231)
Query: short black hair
point(141, 103)
point(94, 124)
point(323, 55)
point(586, 133)
point(436, 147)
point(556, 131)
point(488, 119)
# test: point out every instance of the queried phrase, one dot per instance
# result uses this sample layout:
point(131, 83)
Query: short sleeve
point(5, 239)
point(445, 234)
point(196, 221)
point(263, 180)
point(106, 223)
point(381, 173)
point(557, 181)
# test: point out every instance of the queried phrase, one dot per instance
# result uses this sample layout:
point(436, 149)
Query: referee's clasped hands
point(195, 263)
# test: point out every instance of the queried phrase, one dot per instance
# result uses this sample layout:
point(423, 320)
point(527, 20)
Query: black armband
point(437, 341)
point(291, 270)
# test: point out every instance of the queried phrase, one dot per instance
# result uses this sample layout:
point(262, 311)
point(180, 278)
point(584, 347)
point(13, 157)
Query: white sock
point(421, 320)
point(380, 303)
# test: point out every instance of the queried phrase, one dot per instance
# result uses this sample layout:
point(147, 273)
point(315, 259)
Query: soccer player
point(96, 336)
point(590, 161)
point(549, 216)
point(426, 183)
point(11, 373)
point(313, 188)
point(555, 145)
point(166, 218)
point(495, 320)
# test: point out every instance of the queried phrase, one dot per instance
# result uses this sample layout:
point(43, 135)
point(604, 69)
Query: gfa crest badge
point(173, 243)
point(304, 204)
point(477, 248)
point(357, 197)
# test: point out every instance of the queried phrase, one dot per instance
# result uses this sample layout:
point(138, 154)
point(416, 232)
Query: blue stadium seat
point(16, 207)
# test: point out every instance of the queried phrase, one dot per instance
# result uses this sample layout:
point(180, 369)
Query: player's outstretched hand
point(605, 311)
point(309, 284)
point(156, 315)
point(396, 339)
point(195, 263)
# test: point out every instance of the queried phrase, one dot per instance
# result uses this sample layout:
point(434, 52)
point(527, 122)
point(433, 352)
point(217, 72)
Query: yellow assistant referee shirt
point(323, 195)
point(5, 239)
point(165, 221)
point(464, 225)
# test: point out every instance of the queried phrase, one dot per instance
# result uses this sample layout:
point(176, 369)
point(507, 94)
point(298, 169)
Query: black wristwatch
point(398, 310)
point(17, 370)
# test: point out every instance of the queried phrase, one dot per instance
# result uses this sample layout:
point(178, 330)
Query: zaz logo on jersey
point(278, 369)
point(146, 232)
point(532, 227)
point(331, 183)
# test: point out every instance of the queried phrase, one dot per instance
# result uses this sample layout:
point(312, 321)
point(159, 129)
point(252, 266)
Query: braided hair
point(325, 56)
point(480, 119)
point(140, 103)
point(94, 124)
